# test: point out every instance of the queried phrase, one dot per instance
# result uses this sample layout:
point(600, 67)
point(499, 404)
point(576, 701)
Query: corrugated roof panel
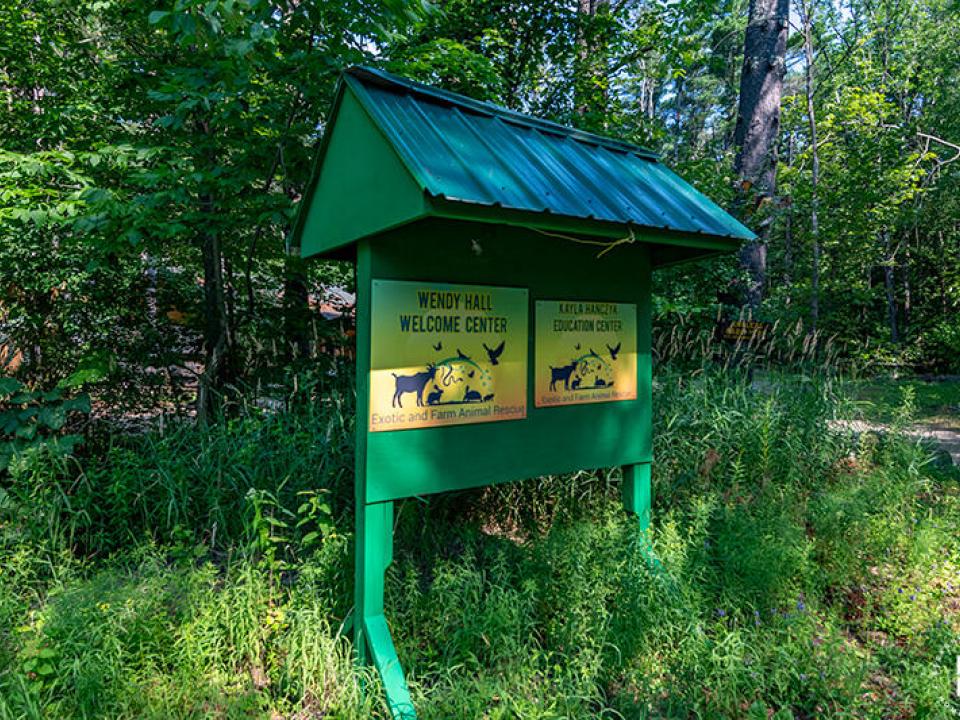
point(467, 151)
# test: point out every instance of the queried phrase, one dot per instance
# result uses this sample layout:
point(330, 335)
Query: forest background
point(177, 404)
point(152, 161)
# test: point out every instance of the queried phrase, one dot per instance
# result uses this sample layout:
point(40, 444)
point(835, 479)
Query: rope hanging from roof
point(607, 246)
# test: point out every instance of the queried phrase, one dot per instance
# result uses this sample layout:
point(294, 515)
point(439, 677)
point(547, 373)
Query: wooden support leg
point(637, 493)
point(372, 641)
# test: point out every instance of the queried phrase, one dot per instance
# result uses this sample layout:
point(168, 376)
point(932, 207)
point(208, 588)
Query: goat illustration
point(562, 373)
point(412, 383)
point(434, 397)
point(471, 396)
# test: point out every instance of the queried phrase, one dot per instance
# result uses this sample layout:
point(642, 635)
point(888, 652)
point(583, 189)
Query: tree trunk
point(788, 232)
point(888, 282)
point(296, 305)
point(757, 129)
point(907, 289)
point(815, 164)
point(217, 342)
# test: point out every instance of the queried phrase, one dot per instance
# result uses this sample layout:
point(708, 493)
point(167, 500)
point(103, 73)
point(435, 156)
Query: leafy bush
point(793, 570)
point(33, 419)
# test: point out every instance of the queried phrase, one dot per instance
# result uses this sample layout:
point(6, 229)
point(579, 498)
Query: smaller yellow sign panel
point(586, 352)
point(445, 354)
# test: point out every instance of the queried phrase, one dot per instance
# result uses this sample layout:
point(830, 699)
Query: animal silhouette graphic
point(600, 383)
point(461, 355)
point(614, 351)
point(434, 397)
point(412, 383)
point(594, 353)
point(439, 346)
point(448, 378)
point(471, 395)
point(562, 373)
point(576, 383)
point(471, 373)
point(577, 346)
point(488, 397)
point(495, 353)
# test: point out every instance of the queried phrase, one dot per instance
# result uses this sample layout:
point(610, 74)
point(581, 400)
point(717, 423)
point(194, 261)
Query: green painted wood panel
point(550, 440)
point(362, 187)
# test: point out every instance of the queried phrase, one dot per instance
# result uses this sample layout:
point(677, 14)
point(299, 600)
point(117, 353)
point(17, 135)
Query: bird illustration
point(461, 356)
point(471, 373)
point(495, 353)
point(439, 346)
point(594, 353)
point(614, 351)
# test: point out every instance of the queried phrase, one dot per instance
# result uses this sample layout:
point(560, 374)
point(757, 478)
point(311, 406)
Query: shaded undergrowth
point(205, 573)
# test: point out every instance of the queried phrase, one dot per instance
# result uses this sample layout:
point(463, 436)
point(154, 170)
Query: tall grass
point(792, 571)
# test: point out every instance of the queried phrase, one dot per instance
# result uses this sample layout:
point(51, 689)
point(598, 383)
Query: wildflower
point(912, 598)
point(803, 677)
point(800, 606)
point(721, 612)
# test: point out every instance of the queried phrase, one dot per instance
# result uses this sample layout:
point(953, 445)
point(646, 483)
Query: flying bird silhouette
point(439, 346)
point(614, 351)
point(461, 356)
point(495, 353)
point(594, 353)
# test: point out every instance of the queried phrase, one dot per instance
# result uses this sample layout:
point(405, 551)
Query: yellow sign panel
point(585, 352)
point(446, 355)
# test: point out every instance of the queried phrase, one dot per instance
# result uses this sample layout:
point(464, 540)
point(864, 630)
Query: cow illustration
point(412, 383)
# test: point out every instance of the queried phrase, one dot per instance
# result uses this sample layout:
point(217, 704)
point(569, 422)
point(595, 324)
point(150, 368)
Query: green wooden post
point(636, 492)
point(374, 531)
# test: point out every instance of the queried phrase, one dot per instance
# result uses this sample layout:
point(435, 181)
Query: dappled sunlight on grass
point(796, 572)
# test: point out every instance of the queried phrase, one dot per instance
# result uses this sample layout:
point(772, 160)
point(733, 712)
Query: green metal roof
point(480, 157)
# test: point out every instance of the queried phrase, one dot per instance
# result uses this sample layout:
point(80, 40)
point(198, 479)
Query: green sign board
point(503, 269)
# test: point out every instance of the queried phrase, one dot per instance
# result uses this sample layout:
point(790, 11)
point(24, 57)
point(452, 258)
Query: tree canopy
point(153, 156)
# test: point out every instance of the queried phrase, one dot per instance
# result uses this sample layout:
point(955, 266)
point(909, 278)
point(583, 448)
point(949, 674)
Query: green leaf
point(156, 16)
point(53, 417)
point(80, 403)
point(8, 386)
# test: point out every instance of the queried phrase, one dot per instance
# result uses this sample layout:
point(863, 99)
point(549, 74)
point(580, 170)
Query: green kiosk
point(503, 270)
